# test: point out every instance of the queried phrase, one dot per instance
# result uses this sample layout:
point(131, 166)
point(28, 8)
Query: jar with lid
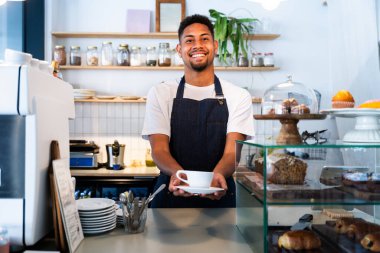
point(75, 57)
point(136, 56)
point(123, 55)
point(107, 53)
point(151, 56)
point(92, 56)
point(59, 54)
point(4, 240)
point(164, 55)
point(268, 60)
point(177, 59)
point(242, 61)
point(257, 60)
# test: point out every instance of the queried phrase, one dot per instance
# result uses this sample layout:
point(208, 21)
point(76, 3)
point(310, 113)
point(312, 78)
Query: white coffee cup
point(200, 179)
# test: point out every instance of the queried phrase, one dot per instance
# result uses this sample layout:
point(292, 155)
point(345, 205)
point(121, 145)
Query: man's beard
point(199, 68)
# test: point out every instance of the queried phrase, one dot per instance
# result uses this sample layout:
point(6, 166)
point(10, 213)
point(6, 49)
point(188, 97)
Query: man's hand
point(174, 182)
point(220, 182)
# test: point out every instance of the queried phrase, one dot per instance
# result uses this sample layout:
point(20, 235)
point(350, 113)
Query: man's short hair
point(196, 18)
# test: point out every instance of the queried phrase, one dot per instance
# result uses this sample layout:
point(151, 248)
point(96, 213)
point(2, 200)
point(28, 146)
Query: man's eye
point(205, 39)
point(188, 41)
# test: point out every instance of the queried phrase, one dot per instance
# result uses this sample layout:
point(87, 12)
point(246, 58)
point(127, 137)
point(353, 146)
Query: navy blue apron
point(198, 138)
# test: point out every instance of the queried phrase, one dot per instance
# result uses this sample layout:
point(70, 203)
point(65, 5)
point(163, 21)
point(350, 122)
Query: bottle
point(4, 240)
point(56, 71)
point(123, 55)
point(148, 159)
point(59, 54)
point(75, 58)
point(268, 60)
point(107, 53)
point(136, 56)
point(164, 55)
point(151, 56)
point(92, 56)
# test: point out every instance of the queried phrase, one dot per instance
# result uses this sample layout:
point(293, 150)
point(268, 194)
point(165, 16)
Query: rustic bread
point(286, 169)
point(371, 242)
point(299, 240)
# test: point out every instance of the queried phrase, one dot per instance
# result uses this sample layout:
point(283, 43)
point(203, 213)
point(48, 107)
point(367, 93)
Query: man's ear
point(179, 50)
point(216, 46)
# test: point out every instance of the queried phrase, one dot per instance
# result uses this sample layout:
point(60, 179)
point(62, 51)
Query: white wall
point(324, 47)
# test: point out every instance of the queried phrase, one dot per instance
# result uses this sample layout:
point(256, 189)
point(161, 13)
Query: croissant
point(371, 242)
point(299, 240)
point(359, 230)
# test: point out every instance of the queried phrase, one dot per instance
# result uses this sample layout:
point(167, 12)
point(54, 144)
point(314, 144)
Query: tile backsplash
point(105, 122)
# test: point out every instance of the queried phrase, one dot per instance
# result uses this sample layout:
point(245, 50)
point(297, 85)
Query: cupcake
point(343, 99)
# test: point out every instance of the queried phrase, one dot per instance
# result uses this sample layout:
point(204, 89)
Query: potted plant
point(233, 29)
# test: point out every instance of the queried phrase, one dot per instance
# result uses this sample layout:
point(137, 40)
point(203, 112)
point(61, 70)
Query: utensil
point(151, 197)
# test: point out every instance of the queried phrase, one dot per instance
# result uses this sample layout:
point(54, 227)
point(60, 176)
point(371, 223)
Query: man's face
point(197, 47)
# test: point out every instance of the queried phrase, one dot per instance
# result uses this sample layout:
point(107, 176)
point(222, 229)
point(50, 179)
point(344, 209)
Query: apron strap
point(218, 88)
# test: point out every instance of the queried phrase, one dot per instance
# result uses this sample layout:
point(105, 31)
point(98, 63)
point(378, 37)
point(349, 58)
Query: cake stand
point(367, 127)
point(289, 132)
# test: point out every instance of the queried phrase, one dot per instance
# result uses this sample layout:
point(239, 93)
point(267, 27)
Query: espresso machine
point(35, 109)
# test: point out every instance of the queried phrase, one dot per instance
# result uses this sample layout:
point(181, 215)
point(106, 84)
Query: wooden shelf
point(67, 67)
point(255, 100)
point(158, 35)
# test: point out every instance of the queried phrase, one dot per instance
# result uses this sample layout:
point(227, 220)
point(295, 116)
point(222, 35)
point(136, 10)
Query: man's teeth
point(197, 55)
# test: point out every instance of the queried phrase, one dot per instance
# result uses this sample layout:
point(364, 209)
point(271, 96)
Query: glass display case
point(312, 189)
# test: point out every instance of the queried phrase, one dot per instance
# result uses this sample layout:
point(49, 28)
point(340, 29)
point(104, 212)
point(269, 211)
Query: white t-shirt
point(160, 103)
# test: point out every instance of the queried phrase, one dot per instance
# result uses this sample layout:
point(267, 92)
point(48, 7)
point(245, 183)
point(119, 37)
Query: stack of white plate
point(119, 217)
point(97, 215)
point(83, 93)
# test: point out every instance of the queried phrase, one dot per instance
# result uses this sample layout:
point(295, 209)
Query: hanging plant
point(234, 29)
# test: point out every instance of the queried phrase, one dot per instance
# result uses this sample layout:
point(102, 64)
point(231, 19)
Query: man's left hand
point(220, 182)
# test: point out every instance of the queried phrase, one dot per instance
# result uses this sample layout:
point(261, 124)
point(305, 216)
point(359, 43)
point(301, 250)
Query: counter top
point(126, 172)
point(175, 230)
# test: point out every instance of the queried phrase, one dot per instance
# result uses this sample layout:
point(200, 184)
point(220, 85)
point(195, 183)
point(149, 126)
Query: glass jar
point(136, 56)
point(59, 54)
point(107, 53)
point(75, 57)
point(148, 159)
point(151, 56)
point(257, 60)
point(123, 55)
point(164, 55)
point(92, 56)
point(4, 240)
point(242, 61)
point(268, 60)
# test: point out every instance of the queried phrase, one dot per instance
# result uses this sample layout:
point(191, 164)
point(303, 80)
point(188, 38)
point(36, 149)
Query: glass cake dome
point(289, 98)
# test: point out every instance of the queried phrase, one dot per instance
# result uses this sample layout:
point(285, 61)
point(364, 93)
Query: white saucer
point(198, 190)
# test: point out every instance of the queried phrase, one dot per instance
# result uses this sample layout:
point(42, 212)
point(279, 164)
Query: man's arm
point(165, 161)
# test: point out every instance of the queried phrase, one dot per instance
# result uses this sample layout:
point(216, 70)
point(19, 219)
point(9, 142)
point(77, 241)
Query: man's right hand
point(174, 182)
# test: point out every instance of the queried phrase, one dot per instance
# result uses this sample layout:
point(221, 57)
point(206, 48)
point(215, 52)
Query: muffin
point(343, 99)
point(372, 104)
point(288, 104)
point(300, 109)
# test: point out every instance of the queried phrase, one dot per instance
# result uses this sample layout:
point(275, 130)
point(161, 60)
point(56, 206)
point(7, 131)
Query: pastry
point(358, 180)
point(259, 164)
point(358, 230)
point(300, 109)
point(342, 224)
point(371, 104)
point(343, 99)
point(286, 169)
point(337, 213)
point(288, 104)
point(299, 240)
point(371, 242)
point(373, 184)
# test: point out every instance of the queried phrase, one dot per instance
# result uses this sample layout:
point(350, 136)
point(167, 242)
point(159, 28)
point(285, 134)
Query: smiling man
point(193, 123)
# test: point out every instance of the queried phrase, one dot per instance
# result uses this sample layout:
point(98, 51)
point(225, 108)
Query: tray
point(361, 194)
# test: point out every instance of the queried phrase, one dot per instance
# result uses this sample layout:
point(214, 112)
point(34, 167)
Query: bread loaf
point(371, 242)
point(286, 169)
point(299, 240)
